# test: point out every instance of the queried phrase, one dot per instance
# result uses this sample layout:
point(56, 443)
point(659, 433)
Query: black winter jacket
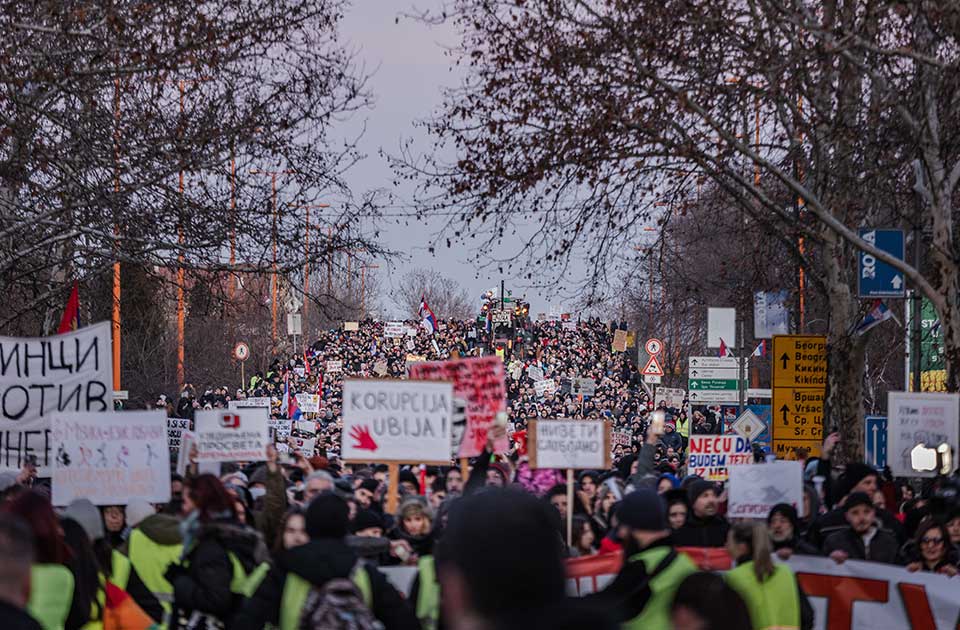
point(318, 561)
point(699, 532)
point(883, 546)
point(202, 582)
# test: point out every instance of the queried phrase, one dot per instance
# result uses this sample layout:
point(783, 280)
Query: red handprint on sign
point(363, 438)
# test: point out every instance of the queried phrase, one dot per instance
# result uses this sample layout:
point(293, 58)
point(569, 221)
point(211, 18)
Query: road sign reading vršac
point(876, 279)
point(799, 387)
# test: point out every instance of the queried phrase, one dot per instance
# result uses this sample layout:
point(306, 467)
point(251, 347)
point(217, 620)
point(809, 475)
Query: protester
point(677, 509)
point(583, 538)
point(115, 523)
point(705, 527)
point(300, 571)
point(16, 551)
point(932, 550)
point(293, 531)
point(218, 555)
point(641, 594)
point(783, 524)
point(861, 539)
point(704, 601)
point(488, 584)
point(52, 604)
point(415, 526)
point(770, 590)
point(154, 543)
point(857, 478)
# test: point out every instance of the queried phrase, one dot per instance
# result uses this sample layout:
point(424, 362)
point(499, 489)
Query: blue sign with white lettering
point(877, 279)
point(876, 439)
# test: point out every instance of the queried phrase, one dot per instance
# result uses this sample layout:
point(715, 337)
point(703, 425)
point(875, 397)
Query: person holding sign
point(641, 593)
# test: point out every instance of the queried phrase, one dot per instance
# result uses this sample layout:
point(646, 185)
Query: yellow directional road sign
point(799, 361)
point(799, 389)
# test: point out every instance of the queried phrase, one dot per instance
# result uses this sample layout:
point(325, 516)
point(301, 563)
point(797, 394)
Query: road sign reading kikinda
point(799, 390)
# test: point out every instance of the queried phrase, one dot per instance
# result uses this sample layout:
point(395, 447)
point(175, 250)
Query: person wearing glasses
point(933, 550)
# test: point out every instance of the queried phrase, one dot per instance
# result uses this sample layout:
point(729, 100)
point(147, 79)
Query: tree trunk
point(843, 405)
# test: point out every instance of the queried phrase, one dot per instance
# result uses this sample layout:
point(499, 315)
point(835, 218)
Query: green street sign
point(713, 383)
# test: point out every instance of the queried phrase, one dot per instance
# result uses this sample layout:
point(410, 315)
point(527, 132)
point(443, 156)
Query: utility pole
point(273, 237)
point(306, 252)
point(363, 288)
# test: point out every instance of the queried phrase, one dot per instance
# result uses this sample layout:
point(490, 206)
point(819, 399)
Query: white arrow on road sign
point(897, 282)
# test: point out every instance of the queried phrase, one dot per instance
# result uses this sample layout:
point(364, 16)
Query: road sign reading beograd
point(799, 389)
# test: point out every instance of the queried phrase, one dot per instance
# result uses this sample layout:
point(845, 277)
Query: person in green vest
point(51, 582)
point(641, 593)
point(113, 564)
point(281, 596)
point(16, 549)
point(771, 591)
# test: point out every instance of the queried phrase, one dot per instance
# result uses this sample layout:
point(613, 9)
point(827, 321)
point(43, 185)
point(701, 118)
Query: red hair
point(48, 544)
point(210, 497)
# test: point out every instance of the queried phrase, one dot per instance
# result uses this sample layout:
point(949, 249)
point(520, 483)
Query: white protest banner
point(569, 325)
point(110, 458)
point(620, 438)
point(306, 446)
point(754, 490)
point(672, 396)
point(43, 376)
point(300, 371)
point(308, 403)
point(855, 595)
point(334, 366)
point(394, 329)
point(175, 429)
point(187, 441)
point(545, 387)
point(247, 403)
point(351, 326)
point(535, 373)
point(919, 418)
point(280, 428)
point(380, 368)
point(306, 427)
point(397, 421)
point(234, 435)
point(569, 444)
point(711, 456)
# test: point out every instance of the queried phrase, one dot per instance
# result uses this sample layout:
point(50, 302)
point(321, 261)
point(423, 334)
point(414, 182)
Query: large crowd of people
point(304, 540)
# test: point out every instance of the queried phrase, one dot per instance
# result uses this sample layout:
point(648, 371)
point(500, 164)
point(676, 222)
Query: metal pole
point(917, 300)
point(741, 361)
point(115, 318)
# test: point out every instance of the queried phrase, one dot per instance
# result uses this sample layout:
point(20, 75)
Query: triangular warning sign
point(652, 368)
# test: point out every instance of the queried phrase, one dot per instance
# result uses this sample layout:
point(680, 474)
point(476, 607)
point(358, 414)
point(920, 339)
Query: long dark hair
point(35, 509)
point(928, 524)
point(296, 510)
point(86, 575)
point(210, 497)
point(757, 538)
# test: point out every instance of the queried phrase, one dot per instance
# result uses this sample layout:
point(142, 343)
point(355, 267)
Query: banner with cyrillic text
point(43, 376)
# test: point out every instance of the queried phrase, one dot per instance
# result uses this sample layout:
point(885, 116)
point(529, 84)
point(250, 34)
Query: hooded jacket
point(883, 546)
point(203, 579)
point(318, 561)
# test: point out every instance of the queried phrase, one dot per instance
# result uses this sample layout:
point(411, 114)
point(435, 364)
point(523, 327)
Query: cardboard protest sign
point(351, 326)
point(187, 441)
point(545, 387)
point(754, 490)
point(535, 373)
point(620, 438)
point(300, 371)
point(234, 435)
point(619, 341)
point(175, 429)
point(396, 421)
point(334, 366)
point(306, 427)
point(110, 458)
point(306, 446)
point(247, 403)
point(380, 368)
point(711, 456)
point(308, 403)
point(916, 418)
point(44, 376)
point(673, 397)
point(394, 329)
point(579, 444)
point(279, 428)
point(479, 383)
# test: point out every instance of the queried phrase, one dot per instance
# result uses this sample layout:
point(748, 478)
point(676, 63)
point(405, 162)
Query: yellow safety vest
point(663, 586)
point(151, 561)
point(296, 589)
point(774, 604)
point(120, 569)
point(96, 616)
point(428, 596)
point(51, 595)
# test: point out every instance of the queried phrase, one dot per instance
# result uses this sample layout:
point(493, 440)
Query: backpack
point(338, 605)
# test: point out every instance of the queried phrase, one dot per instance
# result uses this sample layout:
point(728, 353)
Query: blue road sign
point(876, 279)
point(876, 439)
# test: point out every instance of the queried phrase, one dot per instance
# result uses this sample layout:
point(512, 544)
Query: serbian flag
point(71, 314)
point(877, 314)
point(724, 350)
point(429, 321)
point(760, 350)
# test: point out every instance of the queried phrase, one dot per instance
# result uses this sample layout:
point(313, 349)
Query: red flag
point(71, 314)
point(723, 349)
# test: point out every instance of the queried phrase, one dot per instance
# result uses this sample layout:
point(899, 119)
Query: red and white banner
point(850, 596)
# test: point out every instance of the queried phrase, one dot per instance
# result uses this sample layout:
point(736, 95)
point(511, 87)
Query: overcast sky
point(409, 71)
